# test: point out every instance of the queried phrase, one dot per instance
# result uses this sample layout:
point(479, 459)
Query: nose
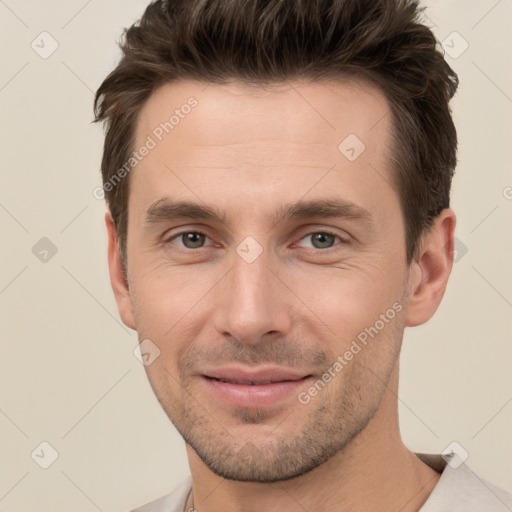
point(252, 302)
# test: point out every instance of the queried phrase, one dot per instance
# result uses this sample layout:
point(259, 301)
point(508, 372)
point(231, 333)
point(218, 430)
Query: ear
point(431, 269)
point(117, 280)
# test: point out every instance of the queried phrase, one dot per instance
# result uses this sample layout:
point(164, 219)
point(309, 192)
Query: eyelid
point(311, 231)
point(170, 238)
point(343, 240)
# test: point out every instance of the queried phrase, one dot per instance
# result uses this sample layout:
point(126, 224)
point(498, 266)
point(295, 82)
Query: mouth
point(248, 383)
point(254, 388)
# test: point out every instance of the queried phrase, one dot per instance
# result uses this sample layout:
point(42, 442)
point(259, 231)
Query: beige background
point(68, 375)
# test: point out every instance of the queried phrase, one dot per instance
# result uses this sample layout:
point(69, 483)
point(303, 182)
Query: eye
point(322, 239)
point(196, 239)
point(190, 239)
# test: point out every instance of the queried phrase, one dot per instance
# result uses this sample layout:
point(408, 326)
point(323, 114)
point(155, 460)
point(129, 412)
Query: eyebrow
point(165, 209)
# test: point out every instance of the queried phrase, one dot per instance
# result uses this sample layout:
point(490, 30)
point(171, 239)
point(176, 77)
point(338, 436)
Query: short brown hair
point(273, 41)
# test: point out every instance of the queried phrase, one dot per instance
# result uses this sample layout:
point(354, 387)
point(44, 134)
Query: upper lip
point(259, 375)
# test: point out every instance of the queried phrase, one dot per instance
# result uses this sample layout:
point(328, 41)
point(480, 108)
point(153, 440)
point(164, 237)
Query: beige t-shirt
point(458, 490)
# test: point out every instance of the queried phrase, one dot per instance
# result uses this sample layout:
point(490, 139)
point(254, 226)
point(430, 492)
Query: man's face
point(251, 313)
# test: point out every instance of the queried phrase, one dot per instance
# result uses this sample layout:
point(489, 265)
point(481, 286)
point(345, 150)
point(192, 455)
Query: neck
point(374, 472)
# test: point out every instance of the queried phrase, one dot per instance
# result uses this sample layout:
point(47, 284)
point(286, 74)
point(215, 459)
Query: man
point(278, 177)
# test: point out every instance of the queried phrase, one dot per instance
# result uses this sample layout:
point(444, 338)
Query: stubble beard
point(330, 425)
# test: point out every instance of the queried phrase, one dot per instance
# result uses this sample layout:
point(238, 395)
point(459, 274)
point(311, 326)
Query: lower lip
point(254, 396)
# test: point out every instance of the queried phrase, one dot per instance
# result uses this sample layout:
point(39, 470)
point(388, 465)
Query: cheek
point(170, 307)
point(347, 300)
point(165, 295)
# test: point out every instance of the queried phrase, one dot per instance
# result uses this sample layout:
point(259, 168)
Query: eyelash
point(199, 232)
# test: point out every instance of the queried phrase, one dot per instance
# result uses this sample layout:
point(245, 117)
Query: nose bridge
point(252, 303)
point(249, 280)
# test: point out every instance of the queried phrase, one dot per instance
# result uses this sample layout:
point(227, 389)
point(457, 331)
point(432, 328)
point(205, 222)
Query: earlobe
point(117, 278)
point(429, 273)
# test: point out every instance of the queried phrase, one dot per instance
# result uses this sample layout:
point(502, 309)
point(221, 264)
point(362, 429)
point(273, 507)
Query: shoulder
point(173, 502)
point(461, 489)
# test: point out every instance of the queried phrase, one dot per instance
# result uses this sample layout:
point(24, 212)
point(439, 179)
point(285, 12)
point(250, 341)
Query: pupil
point(193, 240)
point(325, 239)
point(196, 239)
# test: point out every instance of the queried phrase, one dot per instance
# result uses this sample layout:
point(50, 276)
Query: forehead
point(300, 111)
point(210, 138)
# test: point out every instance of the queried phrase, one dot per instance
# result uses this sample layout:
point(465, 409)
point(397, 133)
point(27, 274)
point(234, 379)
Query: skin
point(248, 151)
